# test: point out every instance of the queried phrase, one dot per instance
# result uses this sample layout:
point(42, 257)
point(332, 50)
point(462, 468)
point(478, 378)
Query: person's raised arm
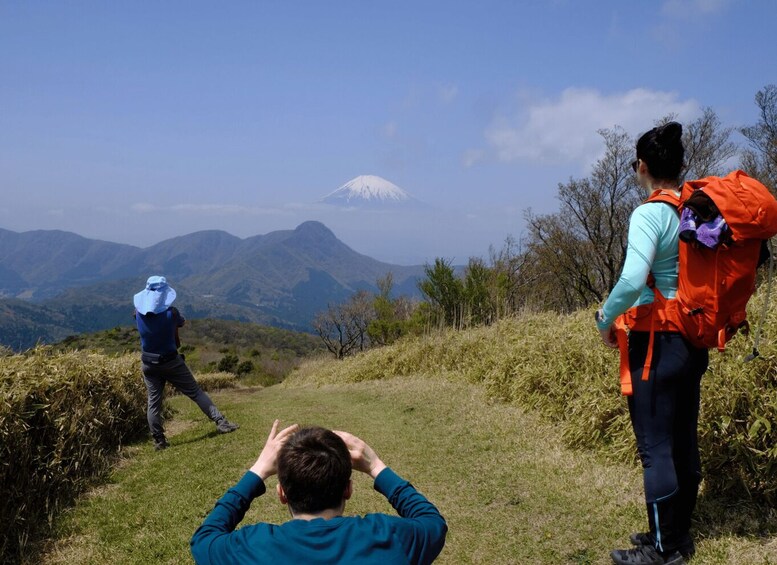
point(267, 463)
point(363, 457)
point(209, 542)
point(422, 532)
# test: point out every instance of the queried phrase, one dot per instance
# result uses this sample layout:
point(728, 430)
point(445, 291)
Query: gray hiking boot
point(224, 426)
point(160, 444)
point(687, 548)
point(645, 555)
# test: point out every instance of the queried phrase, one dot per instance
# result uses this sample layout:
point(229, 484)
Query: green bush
point(228, 363)
point(62, 420)
point(244, 367)
point(557, 365)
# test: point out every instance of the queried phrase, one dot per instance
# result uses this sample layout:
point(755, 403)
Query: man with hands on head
point(314, 480)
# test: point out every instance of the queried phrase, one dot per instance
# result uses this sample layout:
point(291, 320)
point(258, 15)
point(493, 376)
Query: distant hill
point(53, 283)
point(41, 264)
point(24, 325)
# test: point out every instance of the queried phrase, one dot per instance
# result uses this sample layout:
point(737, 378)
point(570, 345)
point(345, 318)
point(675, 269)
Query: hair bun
point(669, 132)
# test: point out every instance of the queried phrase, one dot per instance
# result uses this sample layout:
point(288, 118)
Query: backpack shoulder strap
point(667, 196)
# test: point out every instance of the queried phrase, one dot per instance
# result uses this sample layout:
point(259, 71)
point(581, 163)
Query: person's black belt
point(156, 358)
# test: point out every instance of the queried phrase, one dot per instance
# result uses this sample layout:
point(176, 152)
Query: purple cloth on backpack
point(710, 234)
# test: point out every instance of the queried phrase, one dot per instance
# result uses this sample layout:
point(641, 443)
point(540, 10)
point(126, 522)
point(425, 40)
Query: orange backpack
point(713, 284)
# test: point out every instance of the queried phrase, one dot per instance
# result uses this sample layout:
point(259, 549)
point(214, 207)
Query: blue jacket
point(417, 535)
point(157, 331)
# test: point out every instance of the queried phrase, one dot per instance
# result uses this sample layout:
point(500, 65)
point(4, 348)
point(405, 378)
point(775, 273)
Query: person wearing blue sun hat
point(158, 322)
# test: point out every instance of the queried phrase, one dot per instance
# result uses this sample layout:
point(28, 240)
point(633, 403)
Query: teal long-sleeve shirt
point(417, 535)
point(652, 248)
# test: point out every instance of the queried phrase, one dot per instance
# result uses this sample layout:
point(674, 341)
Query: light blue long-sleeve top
point(652, 248)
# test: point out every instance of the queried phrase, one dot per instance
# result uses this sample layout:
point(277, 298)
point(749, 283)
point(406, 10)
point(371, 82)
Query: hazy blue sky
point(138, 121)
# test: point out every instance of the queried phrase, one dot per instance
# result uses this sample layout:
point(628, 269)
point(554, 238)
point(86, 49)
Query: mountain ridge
point(282, 278)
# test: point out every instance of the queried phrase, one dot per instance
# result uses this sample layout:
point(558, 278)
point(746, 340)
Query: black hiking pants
point(664, 414)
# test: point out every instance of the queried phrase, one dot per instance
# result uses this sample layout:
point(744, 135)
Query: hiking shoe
point(687, 547)
point(641, 538)
point(160, 444)
point(224, 426)
point(645, 555)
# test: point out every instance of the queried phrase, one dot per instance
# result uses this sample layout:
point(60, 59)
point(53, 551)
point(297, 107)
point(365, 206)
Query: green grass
point(503, 478)
point(556, 365)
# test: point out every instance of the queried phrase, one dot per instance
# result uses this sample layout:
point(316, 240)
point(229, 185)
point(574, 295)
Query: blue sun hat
point(156, 297)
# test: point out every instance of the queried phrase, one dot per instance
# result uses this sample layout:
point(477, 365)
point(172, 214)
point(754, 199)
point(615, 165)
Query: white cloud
point(564, 130)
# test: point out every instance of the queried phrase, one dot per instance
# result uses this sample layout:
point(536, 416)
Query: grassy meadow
point(516, 431)
point(508, 487)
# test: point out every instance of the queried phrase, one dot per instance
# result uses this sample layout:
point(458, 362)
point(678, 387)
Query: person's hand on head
point(267, 463)
point(363, 457)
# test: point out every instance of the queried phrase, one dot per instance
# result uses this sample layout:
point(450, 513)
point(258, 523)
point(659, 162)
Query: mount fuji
point(370, 191)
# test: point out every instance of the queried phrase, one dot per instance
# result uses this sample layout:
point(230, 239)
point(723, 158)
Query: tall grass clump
point(211, 382)
point(63, 418)
point(557, 364)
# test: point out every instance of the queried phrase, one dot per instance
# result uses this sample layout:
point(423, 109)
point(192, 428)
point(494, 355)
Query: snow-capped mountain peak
point(368, 189)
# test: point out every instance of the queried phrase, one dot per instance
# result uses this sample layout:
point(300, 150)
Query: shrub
point(216, 381)
point(62, 420)
point(228, 363)
point(244, 367)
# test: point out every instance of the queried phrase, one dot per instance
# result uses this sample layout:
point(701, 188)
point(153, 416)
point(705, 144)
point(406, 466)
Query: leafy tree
point(389, 323)
point(244, 367)
point(444, 292)
point(478, 281)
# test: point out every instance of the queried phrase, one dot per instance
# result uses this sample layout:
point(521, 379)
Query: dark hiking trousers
point(664, 414)
point(177, 374)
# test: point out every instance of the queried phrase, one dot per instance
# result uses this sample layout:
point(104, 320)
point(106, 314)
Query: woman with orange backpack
point(664, 403)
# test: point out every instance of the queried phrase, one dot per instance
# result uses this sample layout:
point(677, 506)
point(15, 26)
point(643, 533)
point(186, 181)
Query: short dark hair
point(314, 468)
point(662, 150)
